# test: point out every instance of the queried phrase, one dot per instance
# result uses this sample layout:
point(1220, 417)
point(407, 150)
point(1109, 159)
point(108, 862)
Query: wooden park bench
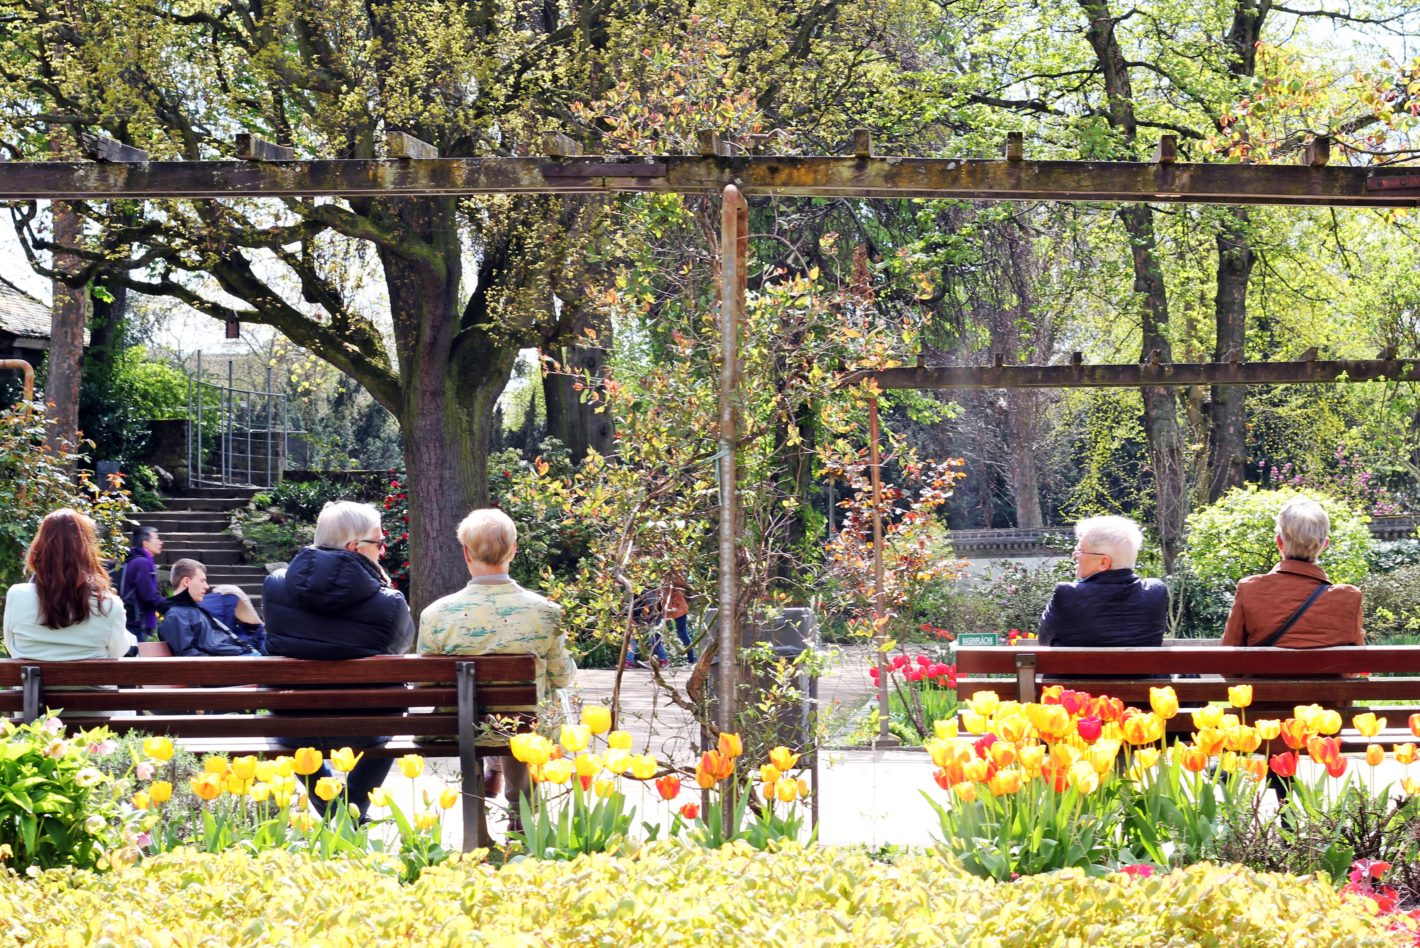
point(220, 705)
point(1281, 678)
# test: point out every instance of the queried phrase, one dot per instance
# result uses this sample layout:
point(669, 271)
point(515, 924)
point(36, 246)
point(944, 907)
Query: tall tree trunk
point(1227, 442)
point(1020, 454)
point(66, 334)
point(572, 419)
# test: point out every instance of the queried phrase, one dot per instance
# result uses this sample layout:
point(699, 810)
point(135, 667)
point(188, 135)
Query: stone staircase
point(194, 526)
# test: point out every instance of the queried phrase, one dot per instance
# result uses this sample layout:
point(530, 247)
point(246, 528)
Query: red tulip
point(1089, 729)
point(1284, 765)
point(983, 744)
point(668, 786)
point(690, 811)
point(1074, 701)
point(923, 660)
point(1337, 767)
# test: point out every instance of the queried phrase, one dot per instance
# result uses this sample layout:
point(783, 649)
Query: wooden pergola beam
point(853, 177)
point(1142, 375)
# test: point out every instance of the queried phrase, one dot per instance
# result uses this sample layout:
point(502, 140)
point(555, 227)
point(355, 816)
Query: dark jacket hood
point(331, 581)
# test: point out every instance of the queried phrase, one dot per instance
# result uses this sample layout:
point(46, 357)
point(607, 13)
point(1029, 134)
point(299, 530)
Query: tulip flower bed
point(670, 893)
point(1081, 781)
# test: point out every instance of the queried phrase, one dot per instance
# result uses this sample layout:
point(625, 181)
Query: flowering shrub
point(56, 807)
point(669, 892)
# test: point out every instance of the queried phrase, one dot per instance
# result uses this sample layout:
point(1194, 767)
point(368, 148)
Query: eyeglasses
point(380, 542)
point(1076, 554)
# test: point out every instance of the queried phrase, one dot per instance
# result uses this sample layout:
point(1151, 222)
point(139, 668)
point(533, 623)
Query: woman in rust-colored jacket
point(1265, 603)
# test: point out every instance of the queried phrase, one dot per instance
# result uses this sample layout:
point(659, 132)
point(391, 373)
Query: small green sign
point(978, 638)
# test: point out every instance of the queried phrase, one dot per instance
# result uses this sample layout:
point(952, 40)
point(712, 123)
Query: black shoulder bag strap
point(1275, 636)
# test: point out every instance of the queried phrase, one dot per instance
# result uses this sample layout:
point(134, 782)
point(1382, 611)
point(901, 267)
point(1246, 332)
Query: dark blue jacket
point(223, 605)
point(190, 630)
point(1111, 609)
point(333, 604)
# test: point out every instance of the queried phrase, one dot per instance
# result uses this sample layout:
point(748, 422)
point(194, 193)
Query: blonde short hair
point(345, 521)
point(489, 535)
point(1303, 527)
point(1119, 538)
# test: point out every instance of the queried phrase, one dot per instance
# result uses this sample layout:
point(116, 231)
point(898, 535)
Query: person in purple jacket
point(138, 586)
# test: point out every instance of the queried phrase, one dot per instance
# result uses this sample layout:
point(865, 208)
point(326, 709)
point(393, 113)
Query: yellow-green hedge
point(667, 895)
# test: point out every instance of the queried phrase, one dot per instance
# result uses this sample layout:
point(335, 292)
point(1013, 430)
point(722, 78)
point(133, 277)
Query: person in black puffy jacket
point(1109, 606)
point(335, 601)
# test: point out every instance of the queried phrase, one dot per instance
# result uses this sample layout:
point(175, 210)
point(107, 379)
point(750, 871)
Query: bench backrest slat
point(1231, 662)
point(196, 672)
point(491, 698)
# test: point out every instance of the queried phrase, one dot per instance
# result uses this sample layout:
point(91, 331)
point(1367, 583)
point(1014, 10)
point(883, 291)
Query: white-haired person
point(1296, 605)
point(335, 601)
point(493, 615)
point(1109, 605)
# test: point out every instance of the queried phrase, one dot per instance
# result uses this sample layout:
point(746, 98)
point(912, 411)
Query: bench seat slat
point(197, 672)
point(1238, 662)
point(1287, 691)
point(258, 699)
point(263, 725)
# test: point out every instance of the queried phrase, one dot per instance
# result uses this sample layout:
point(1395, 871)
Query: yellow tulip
point(984, 703)
point(965, 791)
point(215, 765)
point(353, 811)
point(448, 797)
point(786, 791)
point(619, 740)
point(306, 761)
point(1004, 782)
point(265, 770)
point(558, 771)
point(574, 737)
point(1208, 716)
point(1102, 755)
point(208, 786)
point(643, 766)
point(769, 773)
point(1164, 701)
point(1062, 756)
point(142, 800)
point(158, 748)
point(1368, 724)
point(1242, 738)
point(244, 768)
point(1146, 757)
point(236, 786)
point(1375, 754)
point(161, 791)
point(783, 759)
point(281, 793)
point(1240, 696)
point(1406, 754)
point(731, 745)
point(588, 765)
point(604, 788)
point(1229, 720)
point(976, 770)
point(1032, 758)
point(1012, 727)
point(1003, 753)
point(1082, 777)
point(1230, 762)
point(1411, 786)
point(303, 821)
point(426, 820)
point(260, 791)
point(379, 797)
point(1053, 722)
point(344, 759)
point(597, 718)
point(975, 723)
point(1210, 740)
point(1269, 728)
point(285, 765)
point(617, 761)
point(1328, 722)
point(327, 788)
point(531, 749)
point(411, 765)
point(945, 728)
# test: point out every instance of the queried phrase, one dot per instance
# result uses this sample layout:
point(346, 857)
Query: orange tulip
point(731, 746)
point(1209, 740)
point(1256, 767)
point(1406, 754)
point(1375, 754)
point(690, 811)
point(1295, 733)
point(1324, 750)
point(1415, 724)
point(1194, 759)
point(668, 786)
point(717, 764)
point(1004, 782)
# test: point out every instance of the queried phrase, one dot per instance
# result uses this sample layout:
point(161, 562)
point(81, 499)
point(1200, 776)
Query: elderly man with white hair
point(335, 601)
point(1296, 605)
point(1108, 606)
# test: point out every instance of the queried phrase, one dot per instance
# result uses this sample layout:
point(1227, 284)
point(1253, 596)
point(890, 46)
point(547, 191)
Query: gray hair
point(489, 535)
point(1119, 538)
point(1303, 527)
point(345, 521)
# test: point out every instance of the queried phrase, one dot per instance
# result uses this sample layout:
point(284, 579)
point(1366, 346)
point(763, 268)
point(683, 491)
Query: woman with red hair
point(68, 611)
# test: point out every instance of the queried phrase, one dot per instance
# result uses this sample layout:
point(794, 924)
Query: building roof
point(21, 314)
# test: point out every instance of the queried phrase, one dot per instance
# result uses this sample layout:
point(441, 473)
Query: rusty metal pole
point(734, 249)
point(879, 592)
point(29, 374)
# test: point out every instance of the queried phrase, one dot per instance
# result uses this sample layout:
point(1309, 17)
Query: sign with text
point(978, 638)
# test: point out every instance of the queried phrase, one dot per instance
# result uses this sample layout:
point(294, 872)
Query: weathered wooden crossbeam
point(1143, 375)
point(856, 176)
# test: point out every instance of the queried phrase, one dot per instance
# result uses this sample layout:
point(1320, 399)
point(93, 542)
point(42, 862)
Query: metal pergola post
point(734, 251)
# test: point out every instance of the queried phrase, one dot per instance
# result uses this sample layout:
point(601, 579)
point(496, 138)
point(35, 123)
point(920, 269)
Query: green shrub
point(1012, 597)
point(1235, 537)
point(671, 894)
point(304, 500)
point(1392, 603)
